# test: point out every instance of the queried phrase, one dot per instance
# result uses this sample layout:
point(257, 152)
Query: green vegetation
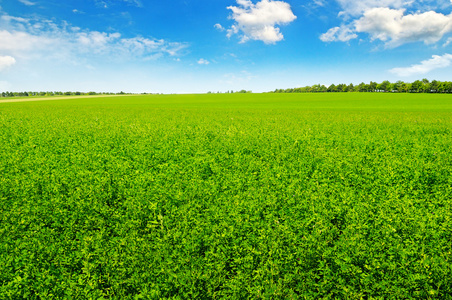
point(50, 93)
point(418, 86)
point(240, 196)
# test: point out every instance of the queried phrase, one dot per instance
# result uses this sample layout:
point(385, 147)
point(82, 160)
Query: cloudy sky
point(180, 46)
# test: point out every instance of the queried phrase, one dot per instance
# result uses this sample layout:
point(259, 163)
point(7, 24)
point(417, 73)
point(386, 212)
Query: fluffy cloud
point(136, 3)
point(202, 61)
point(335, 34)
point(139, 46)
point(436, 62)
point(96, 42)
point(357, 7)
point(32, 39)
point(18, 42)
point(259, 21)
point(218, 27)
point(110, 3)
point(395, 22)
point(6, 62)
point(395, 28)
point(449, 40)
point(26, 2)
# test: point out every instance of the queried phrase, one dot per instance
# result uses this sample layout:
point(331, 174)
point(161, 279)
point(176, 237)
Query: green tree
point(340, 87)
point(332, 88)
point(385, 86)
point(448, 86)
point(416, 86)
point(362, 87)
point(434, 85)
point(373, 86)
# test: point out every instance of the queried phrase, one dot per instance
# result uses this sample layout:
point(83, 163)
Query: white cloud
point(110, 3)
point(136, 3)
point(436, 62)
point(395, 28)
point(449, 40)
point(357, 7)
point(139, 46)
point(35, 38)
point(219, 27)
point(320, 3)
point(394, 22)
point(6, 62)
point(18, 43)
point(101, 3)
point(26, 2)
point(202, 61)
point(258, 21)
point(335, 34)
point(96, 42)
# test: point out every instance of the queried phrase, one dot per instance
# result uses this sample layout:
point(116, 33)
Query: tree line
point(30, 94)
point(418, 86)
point(231, 92)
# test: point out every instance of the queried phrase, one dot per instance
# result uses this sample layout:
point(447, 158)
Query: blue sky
point(195, 46)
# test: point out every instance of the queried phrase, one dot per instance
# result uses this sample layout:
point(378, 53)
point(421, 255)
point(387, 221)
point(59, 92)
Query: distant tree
point(315, 88)
point(398, 86)
point(416, 86)
point(448, 87)
point(373, 86)
point(441, 87)
point(362, 87)
point(340, 87)
point(434, 86)
point(384, 86)
point(425, 87)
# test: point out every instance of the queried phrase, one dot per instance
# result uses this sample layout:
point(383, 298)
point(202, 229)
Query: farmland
point(273, 196)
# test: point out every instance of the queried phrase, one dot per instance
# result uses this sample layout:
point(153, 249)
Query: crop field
point(227, 196)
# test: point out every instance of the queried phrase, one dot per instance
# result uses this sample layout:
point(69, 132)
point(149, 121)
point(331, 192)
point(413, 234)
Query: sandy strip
point(48, 98)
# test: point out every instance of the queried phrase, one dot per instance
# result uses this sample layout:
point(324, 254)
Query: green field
point(239, 196)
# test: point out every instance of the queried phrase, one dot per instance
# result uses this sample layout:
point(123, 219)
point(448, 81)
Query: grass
point(227, 196)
